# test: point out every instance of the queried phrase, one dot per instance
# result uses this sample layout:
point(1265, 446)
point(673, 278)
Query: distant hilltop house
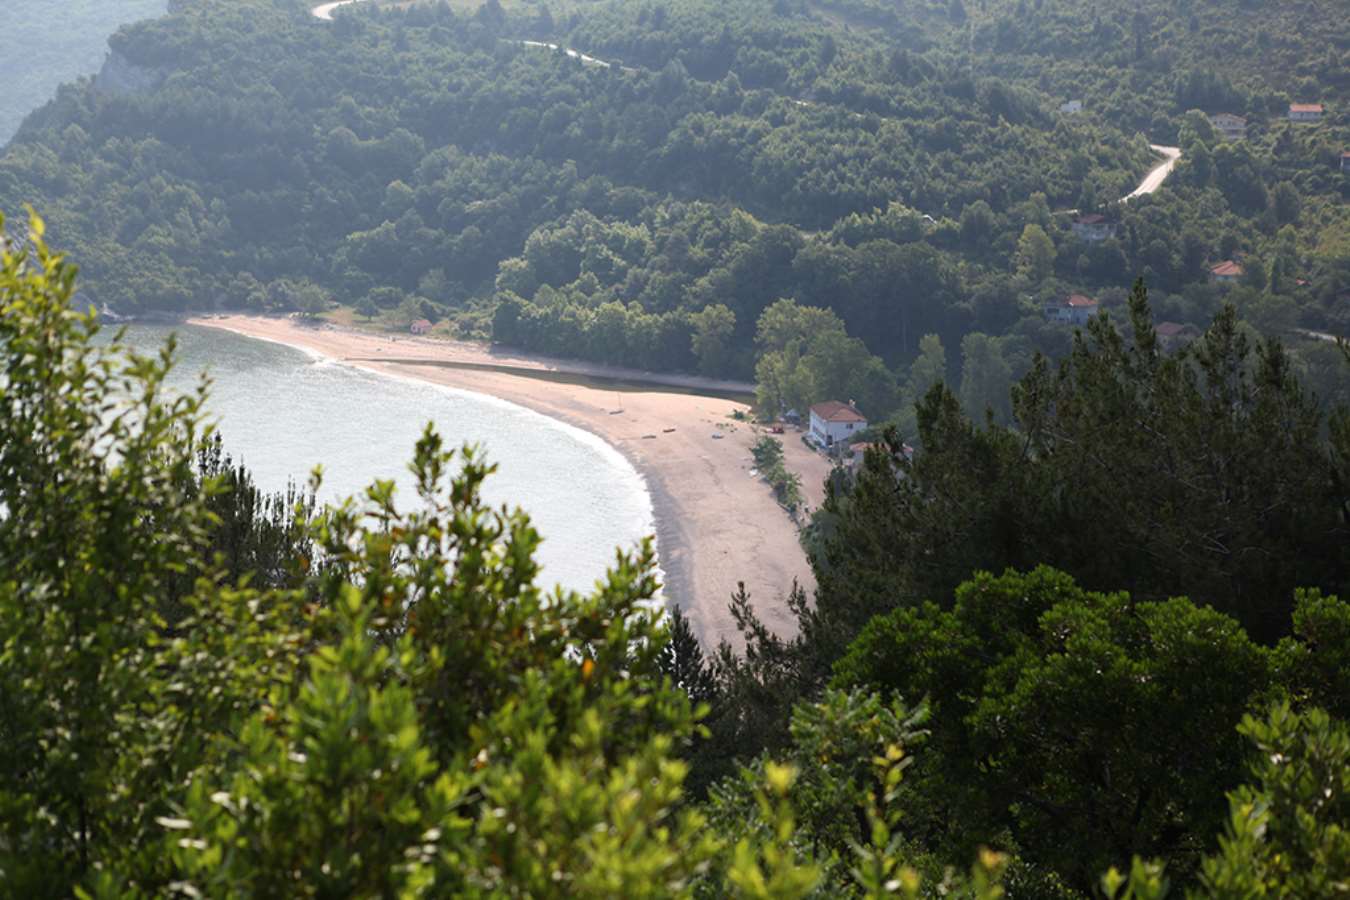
point(1072, 107)
point(1174, 335)
point(1226, 272)
point(1345, 161)
point(833, 422)
point(1074, 309)
point(421, 326)
point(1305, 112)
point(1092, 227)
point(1229, 126)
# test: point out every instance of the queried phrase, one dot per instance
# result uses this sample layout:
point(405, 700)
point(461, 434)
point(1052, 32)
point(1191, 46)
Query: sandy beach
point(717, 524)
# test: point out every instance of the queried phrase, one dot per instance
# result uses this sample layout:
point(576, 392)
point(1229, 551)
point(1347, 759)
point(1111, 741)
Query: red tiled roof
point(1171, 329)
point(1305, 107)
point(1079, 301)
point(834, 411)
point(1090, 219)
point(1227, 267)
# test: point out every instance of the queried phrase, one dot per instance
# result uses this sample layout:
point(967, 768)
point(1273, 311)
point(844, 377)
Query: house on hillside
point(1345, 161)
point(1305, 112)
point(834, 422)
point(1172, 336)
point(1226, 272)
point(1074, 309)
point(1072, 107)
point(1092, 227)
point(858, 452)
point(421, 326)
point(1229, 126)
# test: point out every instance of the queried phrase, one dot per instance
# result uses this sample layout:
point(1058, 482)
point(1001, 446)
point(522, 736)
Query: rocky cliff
point(120, 76)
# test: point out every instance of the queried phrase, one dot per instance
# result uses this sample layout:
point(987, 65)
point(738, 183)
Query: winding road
point(574, 54)
point(1154, 179)
point(325, 10)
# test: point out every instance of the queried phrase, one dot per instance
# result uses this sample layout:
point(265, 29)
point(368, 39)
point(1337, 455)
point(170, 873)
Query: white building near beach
point(834, 422)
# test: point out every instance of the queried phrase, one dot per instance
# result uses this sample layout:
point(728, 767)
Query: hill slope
point(904, 165)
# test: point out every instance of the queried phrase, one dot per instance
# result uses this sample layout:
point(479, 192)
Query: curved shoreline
point(575, 432)
point(579, 432)
point(716, 523)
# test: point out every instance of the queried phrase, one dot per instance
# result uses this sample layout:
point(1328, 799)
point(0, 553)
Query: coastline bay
point(718, 525)
point(282, 410)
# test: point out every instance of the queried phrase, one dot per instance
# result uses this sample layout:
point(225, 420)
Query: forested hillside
point(47, 42)
point(1077, 627)
point(907, 167)
point(213, 693)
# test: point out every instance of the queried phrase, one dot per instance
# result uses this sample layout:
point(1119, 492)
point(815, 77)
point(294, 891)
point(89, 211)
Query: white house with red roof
point(1226, 272)
point(421, 326)
point(1345, 161)
point(834, 422)
point(1074, 309)
point(1305, 112)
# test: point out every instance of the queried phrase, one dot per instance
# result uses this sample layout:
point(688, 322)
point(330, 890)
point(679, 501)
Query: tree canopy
point(907, 169)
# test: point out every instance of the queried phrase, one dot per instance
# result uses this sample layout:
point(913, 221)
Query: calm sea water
point(282, 411)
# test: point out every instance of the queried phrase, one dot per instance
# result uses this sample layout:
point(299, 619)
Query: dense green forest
point(46, 42)
point(211, 692)
point(1083, 637)
point(906, 166)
